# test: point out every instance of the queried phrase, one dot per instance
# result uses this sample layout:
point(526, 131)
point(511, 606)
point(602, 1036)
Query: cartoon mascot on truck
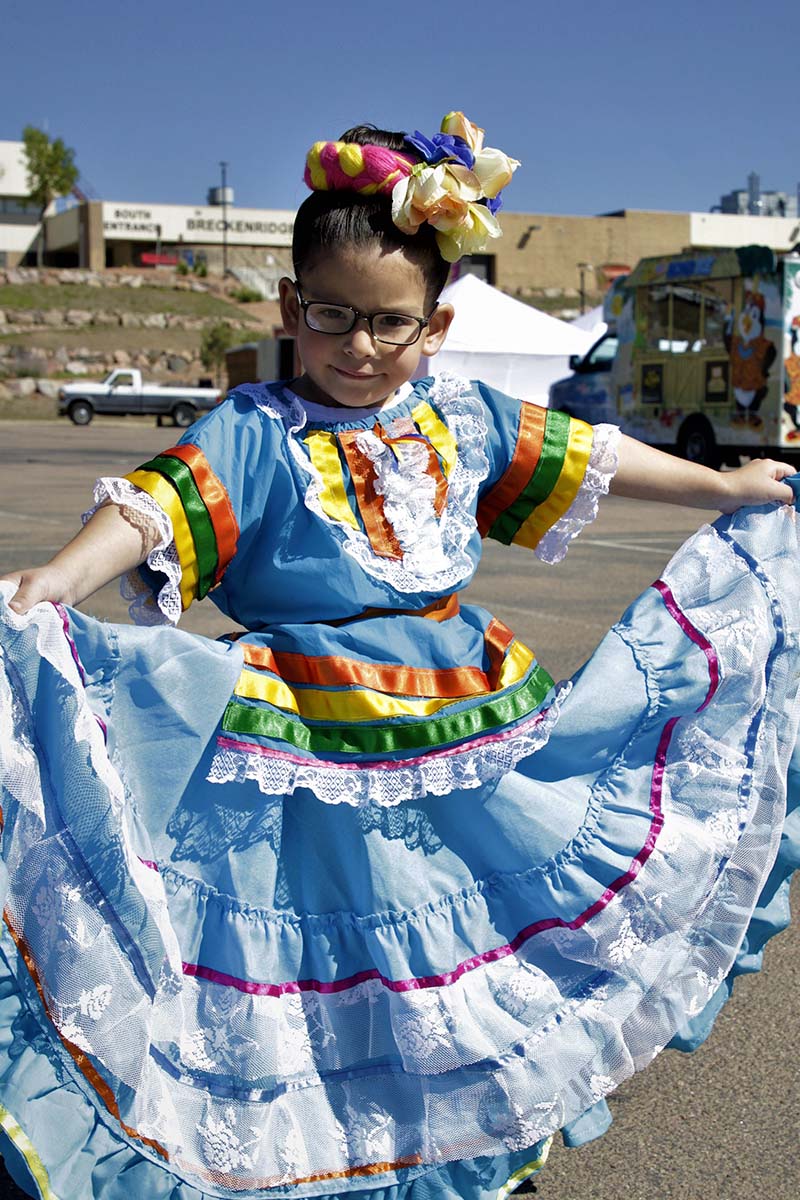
point(791, 368)
point(752, 354)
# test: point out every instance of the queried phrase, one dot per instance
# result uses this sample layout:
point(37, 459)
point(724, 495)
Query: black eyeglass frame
point(422, 322)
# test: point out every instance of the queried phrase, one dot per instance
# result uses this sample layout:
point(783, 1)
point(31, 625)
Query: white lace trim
point(408, 493)
point(545, 1031)
point(145, 608)
point(466, 768)
point(463, 412)
point(54, 645)
point(601, 469)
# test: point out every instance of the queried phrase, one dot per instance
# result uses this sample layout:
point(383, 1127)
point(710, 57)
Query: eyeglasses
point(396, 329)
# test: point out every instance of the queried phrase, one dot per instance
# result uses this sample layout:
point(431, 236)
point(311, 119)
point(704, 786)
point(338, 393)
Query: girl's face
point(354, 370)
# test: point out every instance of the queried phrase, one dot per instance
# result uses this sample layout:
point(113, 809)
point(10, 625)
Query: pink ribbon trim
point(447, 978)
point(695, 635)
point(397, 764)
point(62, 612)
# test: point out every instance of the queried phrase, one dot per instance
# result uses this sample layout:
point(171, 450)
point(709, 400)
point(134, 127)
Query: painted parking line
point(668, 547)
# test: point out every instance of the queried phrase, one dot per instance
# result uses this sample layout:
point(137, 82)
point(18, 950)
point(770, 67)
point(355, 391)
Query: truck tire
point(184, 415)
point(80, 412)
point(696, 442)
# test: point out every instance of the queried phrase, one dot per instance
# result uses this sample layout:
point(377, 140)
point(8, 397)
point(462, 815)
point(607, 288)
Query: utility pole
point(583, 267)
point(224, 167)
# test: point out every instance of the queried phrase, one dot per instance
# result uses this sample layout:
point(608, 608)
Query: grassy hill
point(49, 322)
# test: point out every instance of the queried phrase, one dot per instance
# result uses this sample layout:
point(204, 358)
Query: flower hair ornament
point(456, 188)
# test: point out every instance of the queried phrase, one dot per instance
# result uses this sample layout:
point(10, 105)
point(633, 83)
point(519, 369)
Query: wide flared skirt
point(209, 989)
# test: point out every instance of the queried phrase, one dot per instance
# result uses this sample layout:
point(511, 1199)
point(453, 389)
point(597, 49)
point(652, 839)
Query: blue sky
point(617, 105)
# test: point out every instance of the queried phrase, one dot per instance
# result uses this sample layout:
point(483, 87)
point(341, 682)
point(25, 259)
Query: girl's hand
point(759, 482)
point(36, 585)
point(108, 545)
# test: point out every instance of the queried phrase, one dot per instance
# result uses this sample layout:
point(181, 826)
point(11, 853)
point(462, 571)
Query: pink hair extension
point(381, 168)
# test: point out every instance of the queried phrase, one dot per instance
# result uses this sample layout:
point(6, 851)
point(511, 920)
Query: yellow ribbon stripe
point(437, 433)
point(513, 1182)
point(167, 498)
point(319, 179)
point(23, 1143)
point(316, 705)
point(515, 664)
point(324, 451)
point(545, 515)
point(361, 704)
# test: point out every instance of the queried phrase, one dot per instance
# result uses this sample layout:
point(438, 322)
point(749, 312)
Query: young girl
point(359, 901)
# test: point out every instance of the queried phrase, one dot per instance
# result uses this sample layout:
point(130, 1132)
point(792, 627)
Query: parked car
point(586, 393)
point(123, 393)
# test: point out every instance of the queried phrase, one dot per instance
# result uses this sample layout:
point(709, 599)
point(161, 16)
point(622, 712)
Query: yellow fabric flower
point(446, 194)
point(457, 125)
point(494, 170)
point(433, 194)
point(469, 236)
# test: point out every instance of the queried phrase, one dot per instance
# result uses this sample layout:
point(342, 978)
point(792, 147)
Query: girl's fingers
point(32, 588)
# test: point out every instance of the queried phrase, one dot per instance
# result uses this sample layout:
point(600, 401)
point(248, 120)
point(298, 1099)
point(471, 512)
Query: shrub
point(215, 341)
point(247, 295)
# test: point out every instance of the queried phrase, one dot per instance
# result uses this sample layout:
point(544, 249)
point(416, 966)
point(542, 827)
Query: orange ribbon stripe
point(242, 1182)
point(497, 640)
point(370, 504)
point(530, 437)
point(392, 680)
point(433, 467)
point(81, 1060)
point(216, 500)
point(439, 610)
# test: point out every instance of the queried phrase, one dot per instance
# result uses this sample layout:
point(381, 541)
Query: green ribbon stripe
point(359, 738)
point(205, 540)
point(541, 483)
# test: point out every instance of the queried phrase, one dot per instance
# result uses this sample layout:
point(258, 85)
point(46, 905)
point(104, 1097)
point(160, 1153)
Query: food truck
point(708, 356)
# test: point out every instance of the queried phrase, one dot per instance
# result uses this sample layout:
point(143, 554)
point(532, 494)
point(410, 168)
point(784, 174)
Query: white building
point(101, 233)
point(19, 218)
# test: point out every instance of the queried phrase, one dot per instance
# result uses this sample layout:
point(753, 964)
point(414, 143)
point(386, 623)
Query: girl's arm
point(648, 474)
point(109, 545)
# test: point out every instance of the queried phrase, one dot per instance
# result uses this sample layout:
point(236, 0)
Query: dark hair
point(327, 220)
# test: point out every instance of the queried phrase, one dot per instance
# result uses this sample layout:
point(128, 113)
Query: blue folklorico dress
point(359, 901)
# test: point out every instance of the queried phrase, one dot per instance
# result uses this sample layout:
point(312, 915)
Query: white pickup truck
point(123, 393)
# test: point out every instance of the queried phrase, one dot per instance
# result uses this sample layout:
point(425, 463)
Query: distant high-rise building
point(752, 201)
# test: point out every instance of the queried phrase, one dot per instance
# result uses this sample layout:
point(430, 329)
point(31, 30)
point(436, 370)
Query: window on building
point(15, 206)
point(482, 265)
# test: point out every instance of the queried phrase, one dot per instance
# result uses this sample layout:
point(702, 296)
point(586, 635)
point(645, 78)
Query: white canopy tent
point(592, 321)
point(505, 343)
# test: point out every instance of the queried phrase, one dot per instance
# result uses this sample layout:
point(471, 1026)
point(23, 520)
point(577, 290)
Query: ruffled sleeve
point(548, 474)
point(198, 488)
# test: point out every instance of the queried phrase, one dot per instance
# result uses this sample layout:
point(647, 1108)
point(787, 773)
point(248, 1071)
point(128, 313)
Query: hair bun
point(347, 166)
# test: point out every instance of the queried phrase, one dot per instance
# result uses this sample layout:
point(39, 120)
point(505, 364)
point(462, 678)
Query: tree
point(215, 341)
point(51, 173)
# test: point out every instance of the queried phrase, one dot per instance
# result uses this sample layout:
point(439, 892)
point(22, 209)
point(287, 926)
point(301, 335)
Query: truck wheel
point(80, 412)
point(184, 415)
point(696, 443)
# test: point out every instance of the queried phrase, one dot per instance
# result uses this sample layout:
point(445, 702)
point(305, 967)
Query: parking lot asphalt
point(719, 1124)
